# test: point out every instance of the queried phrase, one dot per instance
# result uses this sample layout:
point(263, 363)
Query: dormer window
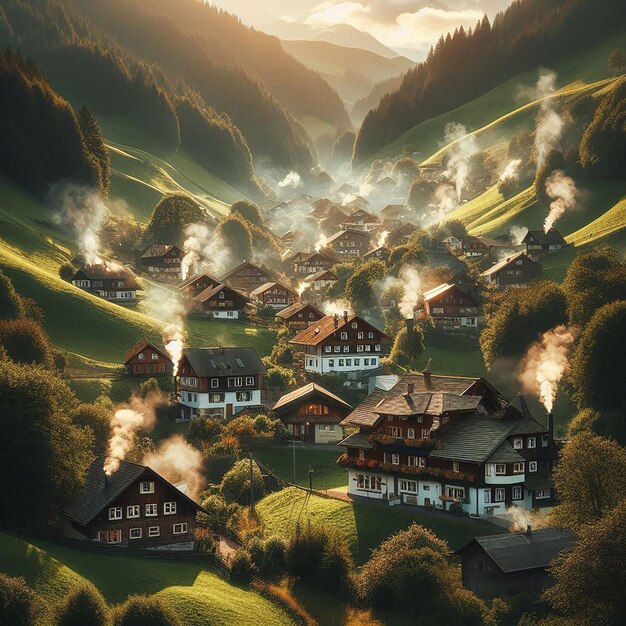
point(146, 487)
point(518, 443)
point(141, 356)
point(155, 356)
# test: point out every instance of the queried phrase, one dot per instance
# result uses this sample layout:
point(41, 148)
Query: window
point(395, 459)
point(155, 356)
point(532, 466)
point(456, 467)
point(249, 381)
point(134, 533)
point(115, 512)
point(426, 487)
point(355, 325)
point(362, 455)
point(365, 481)
point(531, 442)
point(146, 487)
point(370, 335)
point(500, 469)
point(425, 433)
point(377, 348)
point(359, 347)
point(331, 362)
point(346, 348)
point(154, 531)
point(344, 335)
point(141, 356)
point(542, 494)
point(499, 495)
point(348, 362)
point(151, 510)
point(328, 348)
point(215, 398)
point(408, 485)
point(518, 443)
point(487, 496)
point(458, 493)
point(360, 335)
point(169, 508)
point(373, 361)
point(516, 493)
point(394, 431)
point(366, 362)
point(412, 461)
point(518, 468)
point(341, 362)
point(410, 433)
point(235, 382)
point(134, 510)
point(244, 396)
point(357, 362)
point(215, 383)
point(337, 348)
point(544, 441)
point(181, 528)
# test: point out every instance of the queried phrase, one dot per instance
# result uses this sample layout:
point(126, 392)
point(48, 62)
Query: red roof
point(325, 327)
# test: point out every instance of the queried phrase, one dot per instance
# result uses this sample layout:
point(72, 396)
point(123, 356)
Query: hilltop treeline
point(466, 64)
point(43, 140)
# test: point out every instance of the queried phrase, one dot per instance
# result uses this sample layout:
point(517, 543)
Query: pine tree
point(94, 142)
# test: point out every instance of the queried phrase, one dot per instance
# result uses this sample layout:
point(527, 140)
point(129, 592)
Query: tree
point(26, 342)
point(94, 142)
point(590, 578)
point(170, 216)
point(360, 286)
point(407, 348)
point(11, 306)
point(18, 603)
point(97, 419)
point(408, 168)
point(236, 236)
point(203, 430)
point(411, 253)
point(146, 611)
point(590, 479)
point(420, 193)
point(84, 605)
point(40, 444)
point(282, 353)
point(148, 387)
point(248, 210)
point(617, 61)
point(235, 485)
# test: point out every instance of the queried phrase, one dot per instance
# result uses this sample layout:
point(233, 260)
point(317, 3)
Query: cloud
point(331, 13)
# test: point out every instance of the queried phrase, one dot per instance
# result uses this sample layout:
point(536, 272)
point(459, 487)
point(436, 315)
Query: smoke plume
point(412, 291)
point(204, 246)
point(301, 288)
point(321, 242)
point(382, 239)
point(521, 518)
point(562, 189)
point(337, 307)
point(464, 148)
point(517, 234)
point(292, 181)
point(544, 364)
point(549, 125)
point(510, 170)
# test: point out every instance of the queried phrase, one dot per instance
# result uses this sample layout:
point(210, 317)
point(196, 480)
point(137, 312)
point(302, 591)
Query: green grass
point(607, 224)
point(200, 596)
point(364, 525)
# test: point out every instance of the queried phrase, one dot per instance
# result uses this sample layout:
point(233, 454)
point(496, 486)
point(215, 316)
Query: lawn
point(363, 524)
point(200, 596)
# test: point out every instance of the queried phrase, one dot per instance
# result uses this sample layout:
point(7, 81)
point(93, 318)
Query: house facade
point(308, 263)
point(247, 277)
point(275, 295)
point(299, 315)
point(538, 242)
point(362, 220)
point(146, 359)
point(349, 242)
point(313, 414)
point(382, 252)
point(162, 262)
point(220, 302)
point(196, 284)
point(451, 307)
point(344, 344)
point(109, 281)
point(321, 280)
point(219, 382)
point(439, 441)
point(133, 507)
point(513, 271)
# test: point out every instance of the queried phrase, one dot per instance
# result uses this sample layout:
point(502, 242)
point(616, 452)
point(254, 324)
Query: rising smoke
point(412, 291)
point(562, 190)
point(291, 181)
point(520, 519)
point(517, 234)
point(203, 245)
point(510, 170)
point(549, 125)
point(459, 162)
point(321, 242)
point(382, 239)
point(337, 307)
point(545, 363)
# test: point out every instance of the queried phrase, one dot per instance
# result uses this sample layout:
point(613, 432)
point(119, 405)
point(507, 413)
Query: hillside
point(350, 37)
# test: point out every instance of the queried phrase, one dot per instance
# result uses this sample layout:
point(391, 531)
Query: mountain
point(350, 37)
point(364, 104)
point(352, 72)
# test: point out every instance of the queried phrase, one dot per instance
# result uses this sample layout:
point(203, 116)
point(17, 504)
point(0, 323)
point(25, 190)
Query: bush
point(11, 306)
point(241, 567)
point(149, 386)
point(18, 603)
point(235, 485)
point(204, 541)
point(275, 554)
point(282, 353)
point(217, 510)
point(26, 342)
point(146, 611)
point(98, 419)
point(84, 605)
point(203, 430)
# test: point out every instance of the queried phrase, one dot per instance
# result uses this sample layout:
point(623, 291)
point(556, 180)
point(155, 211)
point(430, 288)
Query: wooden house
point(401, 235)
point(162, 262)
point(454, 244)
point(132, 507)
point(196, 284)
point(514, 271)
point(344, 344)
point(513, 563)
point(146, 359)
point(219, 382)
point(110, 281)
point(438, 441)
point(381, 252)
point(247, 277)
point(220, 301)
point(538, 242)
point(275, 295)
point(308, 263)
point(452, 307)
point(349, 242)
point(313, 414)
point(394, 212)
point(321, 280)
point(361, 220)
point(299, 315)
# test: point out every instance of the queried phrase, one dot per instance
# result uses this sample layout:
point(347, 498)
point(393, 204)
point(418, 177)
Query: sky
point(410, 27)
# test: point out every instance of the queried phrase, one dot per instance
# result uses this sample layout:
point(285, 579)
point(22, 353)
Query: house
point(110, 281)
point(454, 244)
point(446, 442)
point(512, 563)
point(333, 220)
point(321, 280)
point(220, 301)
point(146, 359)
point(401, 235)
point(450, 306)
point(341, 344)
point(539, 242)
point(313, 414)
point(299, 315)
point(394, 211)
point(162, 262)
point(312, 262)
point(474, 247)
point(196, 284)
point(247, 277)
point(382, 252)
point(513, 271)
point(362, 220)
point(132, 507)
point(275, 295)
point(219, 382)
point(349, 242)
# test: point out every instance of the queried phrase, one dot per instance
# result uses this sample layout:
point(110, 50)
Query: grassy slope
point(363, 524)
point(200, 596)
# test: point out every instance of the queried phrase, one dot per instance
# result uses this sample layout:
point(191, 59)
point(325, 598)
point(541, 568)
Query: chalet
point(196, 284)
point(361, 220)
point(110, 281)
point(132, 507)
point(355, 203)
point(220, 301)
point(382, 252)
point(299, 315)
point(474, 247)
point(321, 280)
point(275, 295)
point(513, 271)
point(162, 262)
point(539, 242)
point(450, 306)
point(346, 344)
point(312, 262)
point(454, 244)
point(146, 359)
point(386, 184)
point(401, 235)
point(219, 382)
point(439, 441)
point(349, 242)
point(394, 211)
point(333, 220)
point(313, 414)
point(513, 563)
point(247, 277)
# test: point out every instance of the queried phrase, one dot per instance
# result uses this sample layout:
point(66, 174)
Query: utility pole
point(251, 483)
point(293, 455)
point(310, 480)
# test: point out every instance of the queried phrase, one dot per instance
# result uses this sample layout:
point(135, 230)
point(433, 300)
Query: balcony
point(504, 479)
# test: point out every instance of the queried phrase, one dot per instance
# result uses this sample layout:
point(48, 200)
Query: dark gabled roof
point(224, 361)
point(351, 231)
point(307, 391)
point(321, 275)
point(325, 327)
point(107, 271)
point(158, 250)
point(505, 454)
point(427, 403)
point(356, 440)
point(271, 285)
point(553, 236)
point(500, 265)
point(515, 552)
point(296, 308)
point(528, 426)
point(97, 494)
point(244, 265)
point(209, 292)
point(382, 249)
point(444, 288)
point(142, 344)
point(198, 277)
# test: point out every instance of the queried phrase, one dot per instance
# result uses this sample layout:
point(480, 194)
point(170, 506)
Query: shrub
point(204, 430)
point(241, 567)
point(236, 483)
point(11, 306)
point(275, 550)
point(26, 342)
point(204, 541)
point(84, 605)
point(217, 510)
point(18, 603)
point(149, 386)
point(146, 611)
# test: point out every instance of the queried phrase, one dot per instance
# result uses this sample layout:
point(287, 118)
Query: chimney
point(426, 373)
point(550, 428)
point(345, 317)
point(529, 529)
point(410, 389)
point(107, 480)
point(410, 325)
point(336, 320)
